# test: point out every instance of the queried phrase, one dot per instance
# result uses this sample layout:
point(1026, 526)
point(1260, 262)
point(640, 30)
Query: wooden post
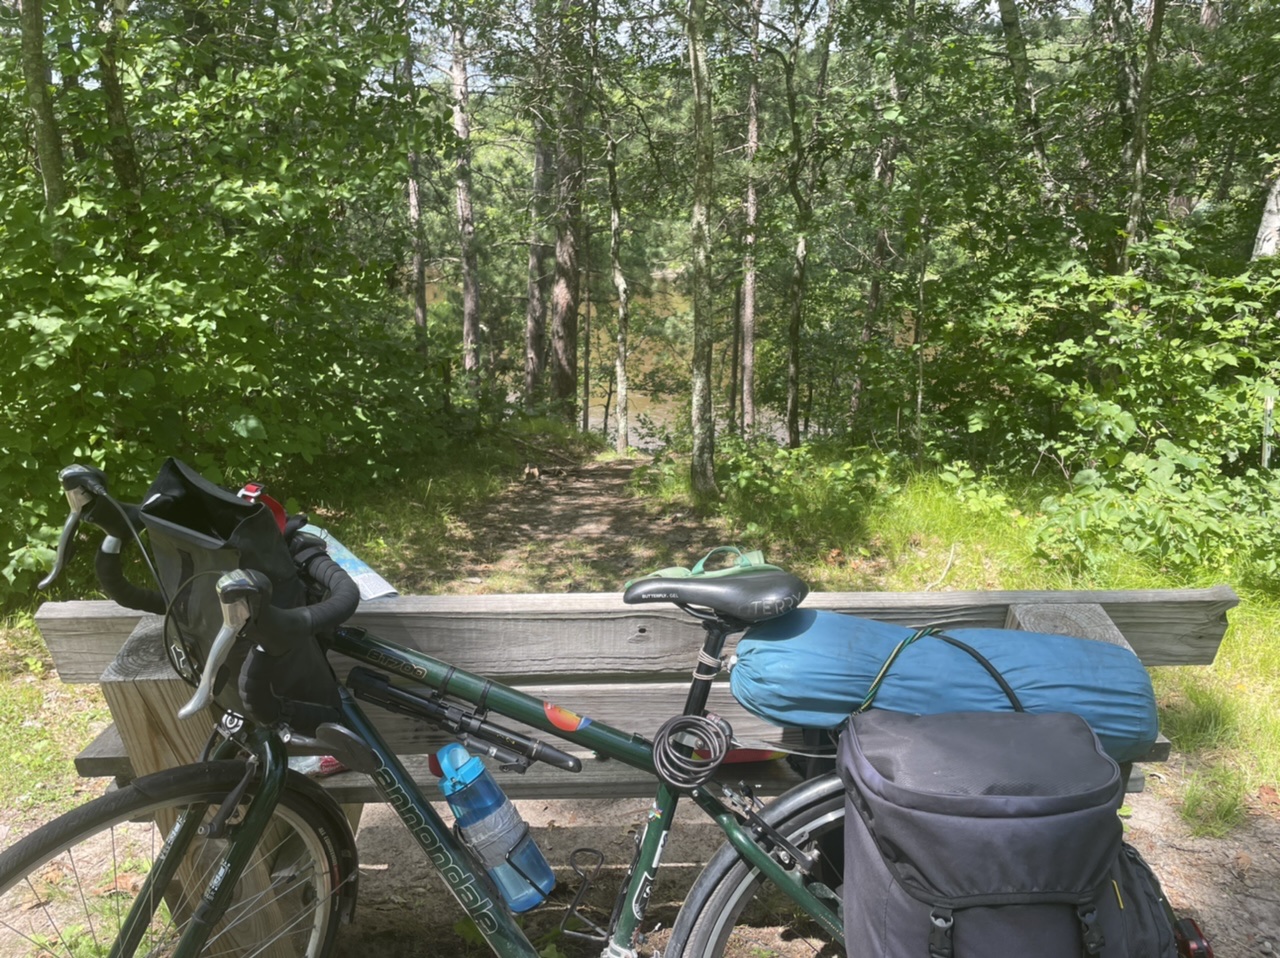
point(144, 695)
point(1084, 621)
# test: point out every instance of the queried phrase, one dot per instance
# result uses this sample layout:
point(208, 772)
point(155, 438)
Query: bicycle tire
point(732, 910)
point(65, 888)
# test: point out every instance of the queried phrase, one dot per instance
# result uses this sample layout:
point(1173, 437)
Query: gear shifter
point(242, 593)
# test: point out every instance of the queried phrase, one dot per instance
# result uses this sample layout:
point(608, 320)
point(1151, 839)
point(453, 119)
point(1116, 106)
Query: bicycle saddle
point(746, 597)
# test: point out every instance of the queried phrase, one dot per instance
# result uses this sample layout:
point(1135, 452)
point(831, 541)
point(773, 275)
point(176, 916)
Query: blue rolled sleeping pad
point(811, 669)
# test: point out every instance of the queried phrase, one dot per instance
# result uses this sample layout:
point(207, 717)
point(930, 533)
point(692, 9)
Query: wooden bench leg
point(1085, 621)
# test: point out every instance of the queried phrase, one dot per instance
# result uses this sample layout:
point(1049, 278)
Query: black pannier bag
point(198, 531)
point(990, 833)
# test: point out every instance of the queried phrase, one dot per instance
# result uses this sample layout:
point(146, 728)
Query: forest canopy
point(1023, 238)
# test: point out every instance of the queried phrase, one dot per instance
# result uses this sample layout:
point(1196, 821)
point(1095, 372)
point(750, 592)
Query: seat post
point(708, 667)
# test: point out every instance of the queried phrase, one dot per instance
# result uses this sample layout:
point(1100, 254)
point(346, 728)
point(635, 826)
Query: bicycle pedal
point(586, 864)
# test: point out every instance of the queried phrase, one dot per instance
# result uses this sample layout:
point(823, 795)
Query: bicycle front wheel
point(66, 889)
point(732, 911)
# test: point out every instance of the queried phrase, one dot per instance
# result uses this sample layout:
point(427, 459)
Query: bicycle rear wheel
point(733, 911)
point(66, 889)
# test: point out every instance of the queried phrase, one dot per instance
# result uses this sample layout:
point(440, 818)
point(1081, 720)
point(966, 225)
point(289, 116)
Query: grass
point(1225, 716)
point(45, 724)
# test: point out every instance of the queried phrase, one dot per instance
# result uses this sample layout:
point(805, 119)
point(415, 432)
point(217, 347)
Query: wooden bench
point(627, 666)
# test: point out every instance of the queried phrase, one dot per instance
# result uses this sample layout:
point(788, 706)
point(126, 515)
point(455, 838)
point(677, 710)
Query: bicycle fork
point(269, 754)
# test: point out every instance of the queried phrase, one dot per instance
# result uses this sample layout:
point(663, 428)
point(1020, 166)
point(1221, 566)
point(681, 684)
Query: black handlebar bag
point(979, 834)
point(198, 531)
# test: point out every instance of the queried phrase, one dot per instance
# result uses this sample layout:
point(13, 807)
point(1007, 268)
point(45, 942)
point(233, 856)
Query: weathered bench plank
point(537, 634)
point(618, 664)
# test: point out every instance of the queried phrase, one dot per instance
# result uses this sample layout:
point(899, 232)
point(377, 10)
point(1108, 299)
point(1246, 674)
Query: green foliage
point(1173, 509)
point(232, 312)
point(812, 497)
point(1079, 368)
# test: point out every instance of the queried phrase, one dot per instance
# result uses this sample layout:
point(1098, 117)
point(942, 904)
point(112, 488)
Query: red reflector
point(1191, 940)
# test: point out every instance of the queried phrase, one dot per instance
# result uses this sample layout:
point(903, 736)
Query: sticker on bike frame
point(563, 719)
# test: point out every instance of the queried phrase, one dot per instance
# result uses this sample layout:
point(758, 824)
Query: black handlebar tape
point(124, 522)
point(344, 594)
point(279, 630)
point(111, 577)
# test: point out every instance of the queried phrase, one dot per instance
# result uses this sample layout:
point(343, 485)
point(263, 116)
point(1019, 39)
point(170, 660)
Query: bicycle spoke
point(284, 905)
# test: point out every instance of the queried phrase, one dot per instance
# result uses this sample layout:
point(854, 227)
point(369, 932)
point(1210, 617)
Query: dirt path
point(578, 529)
point(569, 529)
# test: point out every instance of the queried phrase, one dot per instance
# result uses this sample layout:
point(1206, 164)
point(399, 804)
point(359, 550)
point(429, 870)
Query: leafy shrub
point(1080, 369)
point(1174, 508)
point(813, 495)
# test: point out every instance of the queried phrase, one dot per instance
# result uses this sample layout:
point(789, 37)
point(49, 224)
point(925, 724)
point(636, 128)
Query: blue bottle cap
point(459, 766)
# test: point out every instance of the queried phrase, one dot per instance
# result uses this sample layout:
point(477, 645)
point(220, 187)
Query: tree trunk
point(799, 263)
point(803, 171)
point(564, 294)
point(748, 315)
point(535, 317)
point(735, 352)
point(1025, 106)
point(537, 283)
point(1137, 208)
point(621, 443)
point(1015, 43)
point(466, 220)
point(1117, 32)
point(35, 71)
point(1268, 239)
point(586, 327)
point(702, 470)
point(419, 266)
point(569, 172)
point(884, 170)
point(120, 147)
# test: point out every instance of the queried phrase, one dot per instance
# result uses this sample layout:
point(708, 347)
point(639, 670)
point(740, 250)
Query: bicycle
point(239, 854)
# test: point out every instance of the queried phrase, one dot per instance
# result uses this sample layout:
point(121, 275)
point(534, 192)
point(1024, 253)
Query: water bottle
point(494, 830)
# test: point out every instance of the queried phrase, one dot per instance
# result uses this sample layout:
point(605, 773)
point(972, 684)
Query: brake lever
point(82, 485)
point(241, 593)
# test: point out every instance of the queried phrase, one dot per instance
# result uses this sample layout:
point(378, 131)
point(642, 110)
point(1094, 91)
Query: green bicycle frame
point(466, 881)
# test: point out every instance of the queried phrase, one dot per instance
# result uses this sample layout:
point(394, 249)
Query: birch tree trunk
point(417, 234)
point(1015, 43)
point(35, 71)
point(535, 317)
point(1267, 242)
point(702, 475)
point(418, 269)
point(622, 442)
point(462, 189)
